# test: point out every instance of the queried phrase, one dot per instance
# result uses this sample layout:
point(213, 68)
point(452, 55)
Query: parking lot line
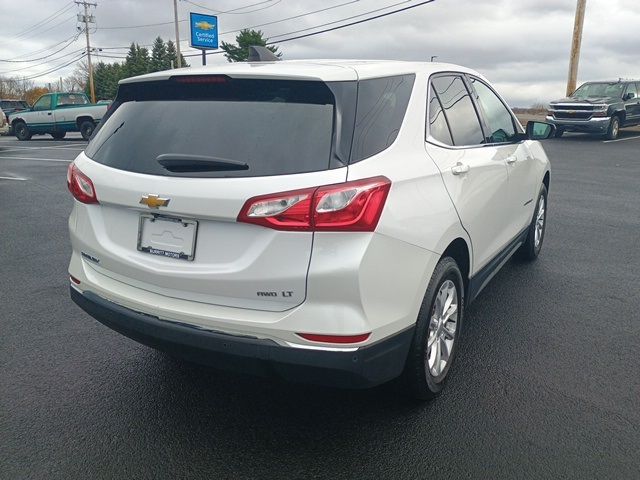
point(57, 147)
point(621, 139)
point(36, 159)
point(13, 178)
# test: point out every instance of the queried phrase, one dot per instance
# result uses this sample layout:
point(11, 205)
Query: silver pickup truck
point(56, 114)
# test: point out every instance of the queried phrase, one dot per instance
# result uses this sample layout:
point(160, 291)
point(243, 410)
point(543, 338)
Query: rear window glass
point(218, 127)
point(459, 110)
point(438, 127)
point(13, 104)
point(382, 103)
point(65, 99)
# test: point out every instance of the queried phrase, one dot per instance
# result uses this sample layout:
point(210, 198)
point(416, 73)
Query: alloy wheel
point(540, 217)
point(442, 328)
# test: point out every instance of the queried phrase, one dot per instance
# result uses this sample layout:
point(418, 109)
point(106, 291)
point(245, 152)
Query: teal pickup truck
point(56, 114)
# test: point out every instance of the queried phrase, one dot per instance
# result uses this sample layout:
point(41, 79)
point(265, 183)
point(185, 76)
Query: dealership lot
point(546, 383)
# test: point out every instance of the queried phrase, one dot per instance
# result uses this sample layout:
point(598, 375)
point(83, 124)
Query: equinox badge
point(154, 201)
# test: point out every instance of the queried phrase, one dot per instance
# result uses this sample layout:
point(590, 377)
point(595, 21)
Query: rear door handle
point(459, 168)
point(49, 113)
point(511, 159)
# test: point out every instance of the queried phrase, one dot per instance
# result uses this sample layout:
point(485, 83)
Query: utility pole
point(87, 19)
point(175, 17)
point(575, 46)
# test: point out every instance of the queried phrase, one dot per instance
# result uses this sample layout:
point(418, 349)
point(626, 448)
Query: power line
point(342, 19)
point(66, 20)
point(43, 49)
point(74, 38)
point(240, 29)
point(75, 52)
point(55, 69)
point(55, 14)
point(352, 23)
point(337, 27)
point(159, 24)
point(291, 18)
point(235, 11)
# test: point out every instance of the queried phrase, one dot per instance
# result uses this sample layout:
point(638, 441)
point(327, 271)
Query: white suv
point(326, 221)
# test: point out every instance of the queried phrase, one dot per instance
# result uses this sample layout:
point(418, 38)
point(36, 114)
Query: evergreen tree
point(159, 56)
point(245, 39)
point(137, 61)
point(172, 55)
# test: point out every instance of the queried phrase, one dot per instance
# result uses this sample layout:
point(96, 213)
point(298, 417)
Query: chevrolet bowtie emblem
point(154, 201)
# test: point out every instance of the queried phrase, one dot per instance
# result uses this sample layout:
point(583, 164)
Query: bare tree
point(77, 81)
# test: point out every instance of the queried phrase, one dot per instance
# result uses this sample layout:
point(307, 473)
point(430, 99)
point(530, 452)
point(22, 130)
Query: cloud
point(522, 46)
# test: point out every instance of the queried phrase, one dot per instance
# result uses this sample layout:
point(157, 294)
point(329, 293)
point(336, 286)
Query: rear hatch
point(176, 160)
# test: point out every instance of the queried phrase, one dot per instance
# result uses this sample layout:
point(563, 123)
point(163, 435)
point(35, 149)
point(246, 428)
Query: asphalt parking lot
point(546, 385)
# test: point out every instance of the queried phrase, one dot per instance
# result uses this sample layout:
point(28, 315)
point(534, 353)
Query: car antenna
point(259, 53)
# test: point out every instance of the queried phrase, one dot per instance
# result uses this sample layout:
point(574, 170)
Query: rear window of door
point(458, 110)
point(273, 127)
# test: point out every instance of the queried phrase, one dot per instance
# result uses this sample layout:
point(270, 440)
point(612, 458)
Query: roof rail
point(259, 53)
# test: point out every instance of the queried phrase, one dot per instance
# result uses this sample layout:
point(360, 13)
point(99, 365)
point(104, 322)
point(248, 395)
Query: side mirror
point(629, 96)
point(540, 130)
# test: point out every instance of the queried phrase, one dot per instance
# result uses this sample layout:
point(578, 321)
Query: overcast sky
point(522, 46)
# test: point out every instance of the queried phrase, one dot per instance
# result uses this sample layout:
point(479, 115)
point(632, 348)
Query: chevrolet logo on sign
point(154, 201)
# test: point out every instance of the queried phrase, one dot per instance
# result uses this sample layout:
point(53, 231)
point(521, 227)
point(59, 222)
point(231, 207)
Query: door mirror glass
point(540, 130)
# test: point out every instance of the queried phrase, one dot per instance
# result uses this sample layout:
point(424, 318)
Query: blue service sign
point(204, 31)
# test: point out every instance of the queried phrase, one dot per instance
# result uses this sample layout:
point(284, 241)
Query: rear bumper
point(366, 367)
point(594, 125)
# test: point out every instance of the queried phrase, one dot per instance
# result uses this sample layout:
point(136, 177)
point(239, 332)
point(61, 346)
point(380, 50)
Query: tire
point(86, 129)
point(614, 128)
point(58, 135)
point(22, 132)
point(424, 377)
point(559, 132)
point(530, 249)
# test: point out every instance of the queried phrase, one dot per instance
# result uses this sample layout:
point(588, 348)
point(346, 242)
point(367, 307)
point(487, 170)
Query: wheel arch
point(547, 179)
point(459, 250)
point(621, 114)
point(84, 118)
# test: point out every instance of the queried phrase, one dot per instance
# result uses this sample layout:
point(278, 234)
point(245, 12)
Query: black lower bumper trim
point(366, 367)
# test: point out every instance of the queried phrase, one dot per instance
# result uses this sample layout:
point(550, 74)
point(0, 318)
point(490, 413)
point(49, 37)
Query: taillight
point(80, 186)
point(352, 206)
point(315, 337)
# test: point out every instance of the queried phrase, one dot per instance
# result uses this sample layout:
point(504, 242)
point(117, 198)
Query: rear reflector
point(74, 279)
point(313, 337)
point(80, 186)
point(351, 206)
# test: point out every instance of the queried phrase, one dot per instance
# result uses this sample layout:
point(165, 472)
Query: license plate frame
point(189, 255)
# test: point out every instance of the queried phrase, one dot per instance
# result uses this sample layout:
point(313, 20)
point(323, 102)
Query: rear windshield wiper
point(185, 163)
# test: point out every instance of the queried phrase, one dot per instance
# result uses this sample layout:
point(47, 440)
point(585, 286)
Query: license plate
point(167, 236)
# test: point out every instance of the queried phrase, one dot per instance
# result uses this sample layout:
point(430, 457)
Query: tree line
point(138, 61)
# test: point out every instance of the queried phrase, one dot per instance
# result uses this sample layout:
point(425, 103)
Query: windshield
point(596, 90)
point(273, 127)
